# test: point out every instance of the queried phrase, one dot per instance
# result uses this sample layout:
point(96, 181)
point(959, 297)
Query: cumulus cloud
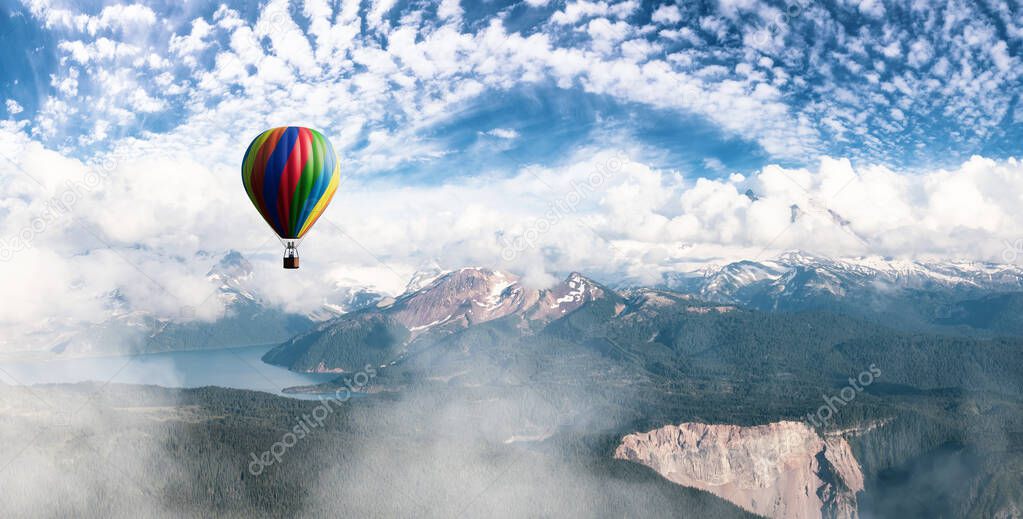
point(13, 107)
point(574, 12)
point(450, 10)
point(100, 49)
point(116, 16)
point(194, 41)
point(666, 14)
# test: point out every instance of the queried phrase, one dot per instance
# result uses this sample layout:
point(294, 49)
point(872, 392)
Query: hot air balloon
point(290, 174)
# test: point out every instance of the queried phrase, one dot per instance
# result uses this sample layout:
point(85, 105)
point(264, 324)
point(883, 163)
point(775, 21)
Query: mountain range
point(971, 299)
point(964, 297)
point(459, 320)
point(836, 276)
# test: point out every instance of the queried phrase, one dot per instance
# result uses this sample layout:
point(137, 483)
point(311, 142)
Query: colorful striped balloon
point(290, 174)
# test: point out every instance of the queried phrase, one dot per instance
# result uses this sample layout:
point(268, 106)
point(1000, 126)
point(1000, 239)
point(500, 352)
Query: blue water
point(239, 368)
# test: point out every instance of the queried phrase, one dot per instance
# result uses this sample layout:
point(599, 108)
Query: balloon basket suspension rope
point(290, 256)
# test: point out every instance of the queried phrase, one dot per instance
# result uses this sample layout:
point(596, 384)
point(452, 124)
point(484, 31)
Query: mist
point(497, 444)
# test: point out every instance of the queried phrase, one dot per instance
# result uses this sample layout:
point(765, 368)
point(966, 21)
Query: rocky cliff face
point(782, 470)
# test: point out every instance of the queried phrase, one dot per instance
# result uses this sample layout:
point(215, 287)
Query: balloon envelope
point(290, 174)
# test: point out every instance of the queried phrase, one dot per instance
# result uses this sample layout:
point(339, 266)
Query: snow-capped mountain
point(450, 302)
point(900, 294)
point(473, 295)
point(798, 272)
point(423, 276)
point(907, 293)
point(920, 292)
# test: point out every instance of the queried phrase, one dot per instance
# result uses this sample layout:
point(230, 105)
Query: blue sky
point(716, 87)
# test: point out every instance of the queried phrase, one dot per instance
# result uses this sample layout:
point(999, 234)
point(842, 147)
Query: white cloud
point(1000, 56)
point(424, 67)
point(13, 107)
point(731, 8)
point(287, 39)
point(450, 10)
point(98, 50)
point(639, 49)
point(77, 50)
point(123, 17)
point(575, 11)
point(714, 164)
point(683, 34)
point(872, 8)
point(141, 101)
point(116, 16)
point(194, 41)
point(503, 133)
point(606, 34)
point(892, 50)
point(920, 53)
point(377, 12)
point(667, 14)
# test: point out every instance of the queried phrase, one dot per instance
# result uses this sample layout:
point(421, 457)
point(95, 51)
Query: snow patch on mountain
point(796, 274)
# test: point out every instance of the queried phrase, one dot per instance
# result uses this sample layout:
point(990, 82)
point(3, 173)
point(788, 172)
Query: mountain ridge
point(971, 297)
point(919, 295)
point(451, 302)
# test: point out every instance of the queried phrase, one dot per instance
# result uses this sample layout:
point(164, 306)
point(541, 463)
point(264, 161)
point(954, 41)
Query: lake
point(239, 368)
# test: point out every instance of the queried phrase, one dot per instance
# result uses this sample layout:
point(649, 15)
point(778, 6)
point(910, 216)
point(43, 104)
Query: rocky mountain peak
point(459, 298)
point(423, 276)
point(463, 285)
point(452, 302)
point(468, 296)
point(232, 265)
point(797, 257)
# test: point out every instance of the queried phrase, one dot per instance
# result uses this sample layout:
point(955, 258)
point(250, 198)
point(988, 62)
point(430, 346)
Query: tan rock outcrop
point(781, 470)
